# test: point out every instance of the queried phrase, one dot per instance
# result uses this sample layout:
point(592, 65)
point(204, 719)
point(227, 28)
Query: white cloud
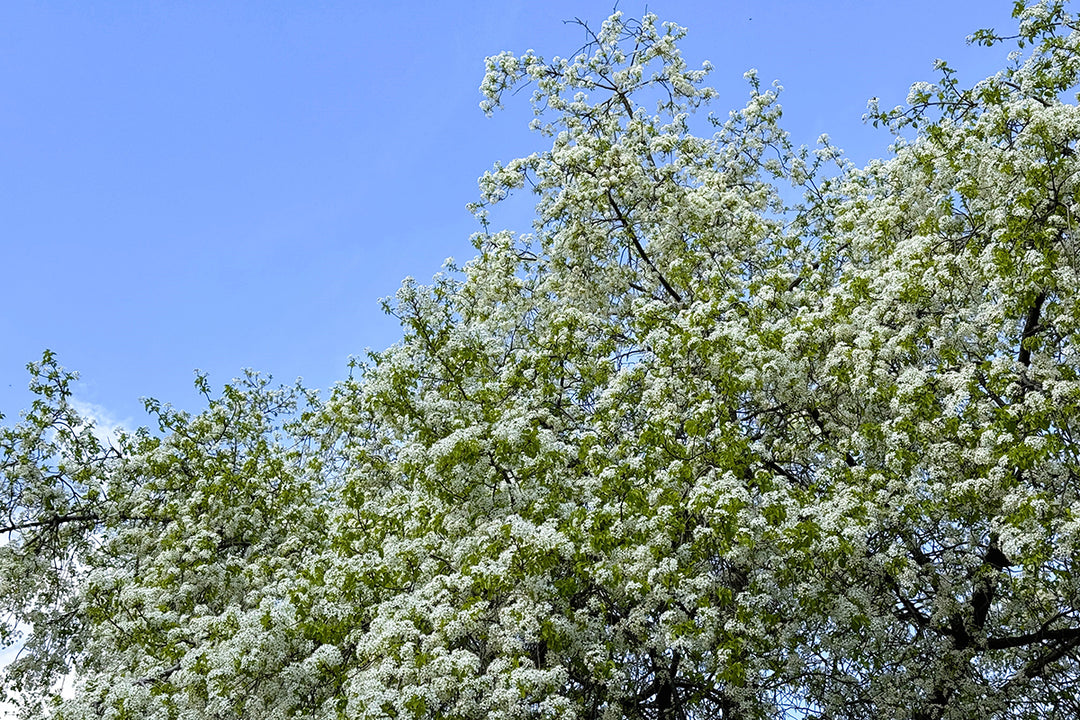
point(107, 428)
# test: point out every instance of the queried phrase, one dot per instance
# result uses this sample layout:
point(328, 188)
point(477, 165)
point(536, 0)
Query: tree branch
point(1068, 635)
point(1031, 326)
point(54, 521)
point(640, 249)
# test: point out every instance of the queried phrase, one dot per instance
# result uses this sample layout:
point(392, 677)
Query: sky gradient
point(226, 185)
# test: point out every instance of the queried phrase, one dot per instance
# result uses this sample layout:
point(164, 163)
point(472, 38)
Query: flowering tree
point(687, 450)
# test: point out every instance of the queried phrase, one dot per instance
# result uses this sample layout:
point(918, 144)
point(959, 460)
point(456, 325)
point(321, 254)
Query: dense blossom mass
point(689, 449)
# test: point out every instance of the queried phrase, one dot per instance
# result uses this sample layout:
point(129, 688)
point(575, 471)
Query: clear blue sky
point(220, 185)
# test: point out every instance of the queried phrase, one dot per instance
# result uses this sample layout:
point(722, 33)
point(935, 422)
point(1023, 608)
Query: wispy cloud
point(106, 427)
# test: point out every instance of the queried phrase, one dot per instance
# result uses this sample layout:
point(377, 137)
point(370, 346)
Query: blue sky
point(221, 185)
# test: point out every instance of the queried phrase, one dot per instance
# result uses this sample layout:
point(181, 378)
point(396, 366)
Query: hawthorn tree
point(687, 450)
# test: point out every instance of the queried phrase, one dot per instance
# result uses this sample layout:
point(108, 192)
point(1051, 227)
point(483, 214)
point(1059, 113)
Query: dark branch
point(1031, 326)
point(1068, 635)
point(54, 521)
point(640, 249)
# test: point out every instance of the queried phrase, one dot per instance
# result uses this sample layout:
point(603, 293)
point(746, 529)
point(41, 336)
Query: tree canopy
point(740, 430)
